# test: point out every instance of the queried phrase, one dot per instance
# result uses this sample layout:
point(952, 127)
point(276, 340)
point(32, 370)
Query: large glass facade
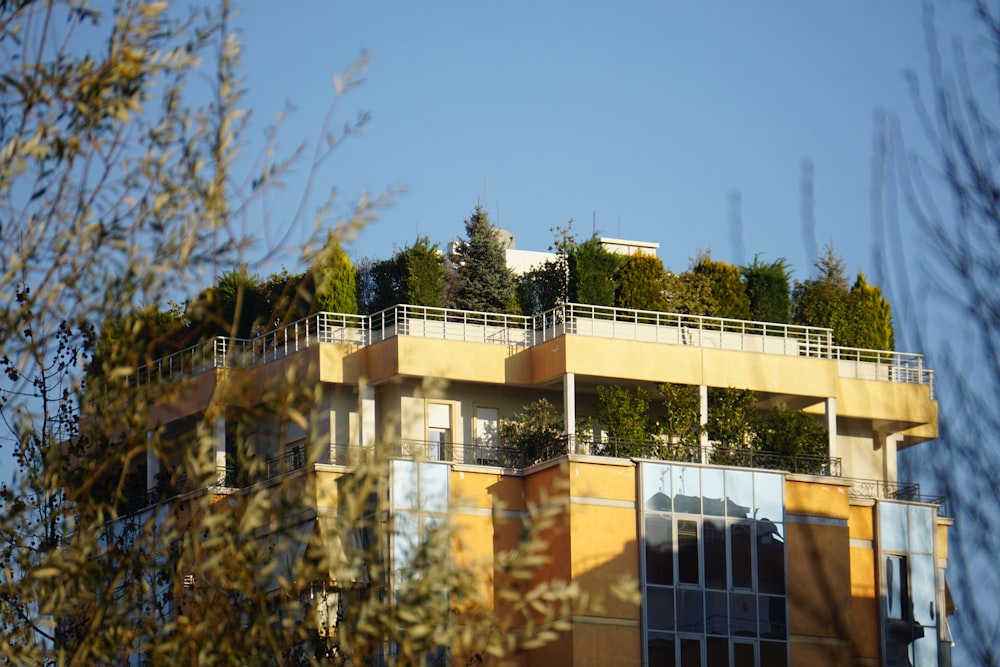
point(910, 607)
point(713, 566)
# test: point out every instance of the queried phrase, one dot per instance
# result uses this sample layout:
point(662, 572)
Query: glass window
point(739, 493)
point(743, 655)
point(773, 619)
point(896, 589)
point(923, 589)
point(774, 654)
point(687, 551)
point(660, 650)
point(713, 491)
point(743, 614)
point(404, 484)
point(690, 652)
point(925, 650)
point(769, 497)
point(659, 550)
point(405, 538)
point(921, 534)
point(434, 487)
point(687, 489)
point(690, 611)
point(893, 526)
point(656, 487)
point(717, 652)
point(741, 535)
point(660, 608)
point(714, 539)
point(717, 613)
point(770, 557)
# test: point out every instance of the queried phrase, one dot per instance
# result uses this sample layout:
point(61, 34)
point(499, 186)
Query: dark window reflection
point(687, 551)
point(690, 611)
point(690, 652)
point(717, 651)
point(770, 557)
point(774, 654)
point(741, 568)
point(773, 621)
point(714, 538)
point(743, 656)
point(661, 650)
point(716, 613)
point(659, 550)
point(743, 615)
point(660, 608)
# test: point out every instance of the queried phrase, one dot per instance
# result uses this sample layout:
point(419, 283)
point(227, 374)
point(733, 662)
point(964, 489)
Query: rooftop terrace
point(520, 332)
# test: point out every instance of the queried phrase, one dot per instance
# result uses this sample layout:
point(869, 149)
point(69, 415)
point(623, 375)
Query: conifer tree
point(484, 282)
point(822, 301)
point(869, 318)
point(727, 287)
point(641, 283)
point(593, 272)
point(334, 279)
point(768, 290)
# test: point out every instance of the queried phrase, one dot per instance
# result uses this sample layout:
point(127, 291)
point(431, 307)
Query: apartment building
point(741, 558)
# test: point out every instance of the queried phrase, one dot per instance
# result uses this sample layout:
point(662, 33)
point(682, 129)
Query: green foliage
point(537, 433)
point(689, 293)
point(681, 420)
point(484, 282)
point(624, 415)
point(333, 279)
point(726, 286)
point(593, 272)
point(869, 318)
point(732, 416)
point(641, 283)
point(822, 301)
point(768, 290)
point(542, 288)
point(414, 276)
point(791, 432)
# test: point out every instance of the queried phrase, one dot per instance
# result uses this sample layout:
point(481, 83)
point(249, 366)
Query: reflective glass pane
point(896, 589)
point(717, 652)
point(923, 587)
point(925, 650)
point(893, 526)
point(769, 496)
point(921, 520)
point(660, 649)
point(714, 538)
point(717, 613)
point(740, 536)
point(687, 551)
point(434, 487)
point(743, 655)
point(739, 493)
point(659, 550)
point(405, 538)
point(687, 489)
point(404, 484)
point(690, 611)
point(774, 654)
point(660, 608)
point(773, 618)
point(690, 652)
point(743, 614)
point(770, 557)
point(656, 487)
point(713, 491)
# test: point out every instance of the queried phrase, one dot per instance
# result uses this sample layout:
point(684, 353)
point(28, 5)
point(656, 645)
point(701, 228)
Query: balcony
point(519, 333)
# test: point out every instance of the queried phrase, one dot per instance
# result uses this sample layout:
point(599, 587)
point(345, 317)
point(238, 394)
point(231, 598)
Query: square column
point(569, 410)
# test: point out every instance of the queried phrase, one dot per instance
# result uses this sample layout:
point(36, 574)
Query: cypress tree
point(334, 280)
point(593, 272)
point(869, 318)
point(768, 290)
point(729, 292)
point(641, 283)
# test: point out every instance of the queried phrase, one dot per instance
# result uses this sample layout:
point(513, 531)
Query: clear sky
point(646, 117)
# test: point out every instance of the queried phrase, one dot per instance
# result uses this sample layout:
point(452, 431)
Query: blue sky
point(647, 116)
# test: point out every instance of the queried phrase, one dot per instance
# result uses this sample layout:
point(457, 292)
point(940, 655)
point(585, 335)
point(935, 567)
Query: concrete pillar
point(703, 420)
point(890, 444)
point(831, 426)
point(366, 412)
point(569, 410)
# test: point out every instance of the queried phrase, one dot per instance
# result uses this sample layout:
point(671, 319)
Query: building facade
point(740, 558)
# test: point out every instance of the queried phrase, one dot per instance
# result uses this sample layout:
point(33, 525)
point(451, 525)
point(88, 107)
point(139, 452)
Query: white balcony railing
point(518, 332)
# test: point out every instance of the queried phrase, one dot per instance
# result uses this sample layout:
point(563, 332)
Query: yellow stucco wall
point(810, 498)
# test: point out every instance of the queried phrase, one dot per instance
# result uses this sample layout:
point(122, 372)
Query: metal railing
point(451, 324)
point(903, 491)
point(827, 466)
point(519, 332)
